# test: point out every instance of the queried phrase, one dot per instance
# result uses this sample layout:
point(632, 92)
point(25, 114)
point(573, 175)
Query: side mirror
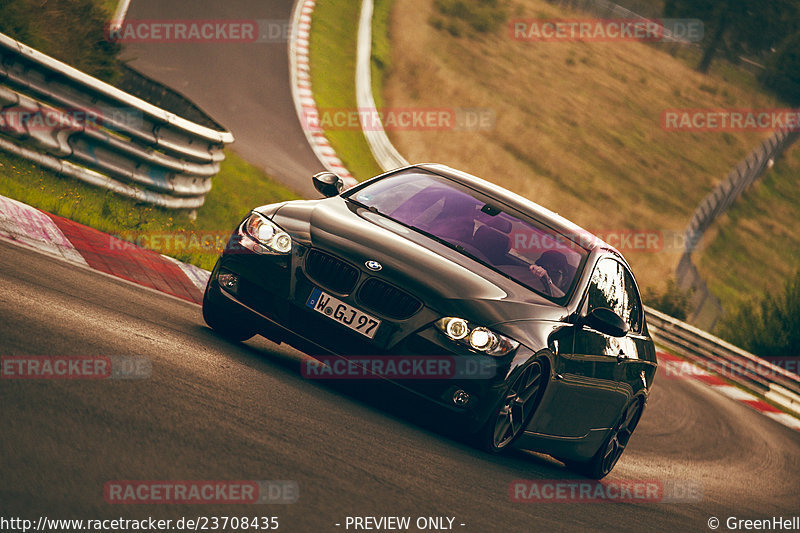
point(606, 321)
point(328, 184)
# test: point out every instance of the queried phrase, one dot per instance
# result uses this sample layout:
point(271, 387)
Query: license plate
point(343, 313)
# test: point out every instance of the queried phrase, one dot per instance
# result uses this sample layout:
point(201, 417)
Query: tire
point(223, 323)
point(514, 410)
point(609, 453)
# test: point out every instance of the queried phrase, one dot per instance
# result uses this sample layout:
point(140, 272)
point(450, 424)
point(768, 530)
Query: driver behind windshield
point(551, 269)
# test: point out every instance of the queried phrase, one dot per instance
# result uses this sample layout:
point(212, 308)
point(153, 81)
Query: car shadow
point(392, 402)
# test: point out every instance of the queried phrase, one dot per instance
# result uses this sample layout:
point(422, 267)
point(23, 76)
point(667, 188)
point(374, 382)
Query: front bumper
point(272, 293)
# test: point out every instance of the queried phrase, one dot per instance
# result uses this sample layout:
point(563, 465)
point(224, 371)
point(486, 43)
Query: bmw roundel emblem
point(373, 265)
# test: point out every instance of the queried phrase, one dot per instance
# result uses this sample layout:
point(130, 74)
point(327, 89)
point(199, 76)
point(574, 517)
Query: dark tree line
point(769, 327)
point(767, 28)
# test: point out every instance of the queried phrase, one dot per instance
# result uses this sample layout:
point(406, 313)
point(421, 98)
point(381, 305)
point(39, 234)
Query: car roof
point(588, 240)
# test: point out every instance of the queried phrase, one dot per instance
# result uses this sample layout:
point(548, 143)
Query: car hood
point(444, 279)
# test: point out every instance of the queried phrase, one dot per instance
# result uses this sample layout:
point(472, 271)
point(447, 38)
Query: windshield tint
point(512, 244)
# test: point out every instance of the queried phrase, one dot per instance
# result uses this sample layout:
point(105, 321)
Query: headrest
point(553, 259)
point(493, 243)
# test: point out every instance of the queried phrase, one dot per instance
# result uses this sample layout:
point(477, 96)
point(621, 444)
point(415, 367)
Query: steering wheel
point(544, 278)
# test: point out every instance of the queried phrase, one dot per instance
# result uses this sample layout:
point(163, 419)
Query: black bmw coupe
point(536, 327)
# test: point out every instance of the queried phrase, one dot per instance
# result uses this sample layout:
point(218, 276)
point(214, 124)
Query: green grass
point(740, 75)
point(578, 124)
point(381, 48)
point(602, 103)
point(469, 17)
point(109, 6)
point(754, 247)
point(71, 31)
point(237, 188)
point(333, 62)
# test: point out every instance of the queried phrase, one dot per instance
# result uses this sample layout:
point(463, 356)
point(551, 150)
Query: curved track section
point(245, 86)
point(215, 410)
point(212, 410)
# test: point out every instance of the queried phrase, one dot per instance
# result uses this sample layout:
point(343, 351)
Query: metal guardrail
point(77, 125)
point(611, 10)
point(707, 308)
point(741, 177)
point(712, 353)
point(640, 10)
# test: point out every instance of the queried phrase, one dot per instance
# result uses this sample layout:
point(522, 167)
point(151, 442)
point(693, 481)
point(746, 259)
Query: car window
point(632, 313)
point(507, 241)
point(612, 286)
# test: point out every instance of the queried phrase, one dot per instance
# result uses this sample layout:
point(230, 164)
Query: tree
point(782, 73)
point(672, 301)
point(769, 327)
point(737, 27)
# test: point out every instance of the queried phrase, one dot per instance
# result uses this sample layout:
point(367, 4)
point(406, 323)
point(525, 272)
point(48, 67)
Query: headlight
point(455, 328)
point(478, 338)
point(267, 234)
point(482, 339)
point(282, 243)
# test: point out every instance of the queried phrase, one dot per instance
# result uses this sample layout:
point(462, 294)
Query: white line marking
point(196, 275)
point(27, 225)
point(119, 15)
point(734, 392)
point(301, 89)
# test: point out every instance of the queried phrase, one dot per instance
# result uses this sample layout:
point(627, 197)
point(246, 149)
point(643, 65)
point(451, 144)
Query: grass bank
point(754, 247)
point(577, 124)
point(72, 31)
point(237, 188)
point(334, 38)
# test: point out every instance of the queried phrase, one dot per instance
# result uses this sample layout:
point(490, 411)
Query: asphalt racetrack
point(214, 410)
point(244, 86)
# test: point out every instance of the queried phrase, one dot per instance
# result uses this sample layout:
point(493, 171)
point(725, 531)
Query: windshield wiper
point(370, 208)
point(457, 247)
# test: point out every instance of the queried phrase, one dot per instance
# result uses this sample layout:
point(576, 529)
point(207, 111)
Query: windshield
point(472, 223)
